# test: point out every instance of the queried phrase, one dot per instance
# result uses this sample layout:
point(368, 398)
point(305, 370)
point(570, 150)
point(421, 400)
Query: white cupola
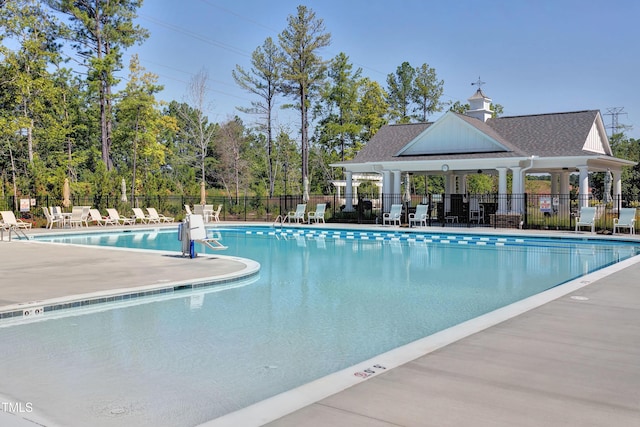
point(480, 106)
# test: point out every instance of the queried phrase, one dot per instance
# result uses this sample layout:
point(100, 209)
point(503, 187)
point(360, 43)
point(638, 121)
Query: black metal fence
point(527, 211)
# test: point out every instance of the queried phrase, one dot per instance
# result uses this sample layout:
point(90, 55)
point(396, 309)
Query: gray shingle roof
point(388, 141)
point(547, 135)
point(544, 135)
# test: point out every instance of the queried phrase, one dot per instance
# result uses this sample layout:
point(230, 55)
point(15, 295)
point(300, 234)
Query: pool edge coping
point(17, 310)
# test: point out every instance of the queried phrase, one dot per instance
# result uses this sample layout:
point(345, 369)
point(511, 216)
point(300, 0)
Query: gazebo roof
point(580, 135)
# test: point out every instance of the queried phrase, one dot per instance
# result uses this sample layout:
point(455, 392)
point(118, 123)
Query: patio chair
point(50, 218)
point(208, 212)
point(95, 217)
point(318, 215)
point(587, 218)
point(476, 211)
point(420, 216)
point(154, 215)
point(626, 219)
point(215, 215)
point(56, 212)
point(120, 220)
point(393, 216)
point(298, 215)
point(138, 215)
point(187, 209)
point(77, 218)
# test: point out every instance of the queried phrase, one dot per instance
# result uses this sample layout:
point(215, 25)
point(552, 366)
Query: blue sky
point(536, 57)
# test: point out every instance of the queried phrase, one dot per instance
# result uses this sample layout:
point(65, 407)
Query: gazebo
point(457, 145)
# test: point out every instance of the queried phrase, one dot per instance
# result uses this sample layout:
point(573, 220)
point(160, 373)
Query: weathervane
point(478, 83)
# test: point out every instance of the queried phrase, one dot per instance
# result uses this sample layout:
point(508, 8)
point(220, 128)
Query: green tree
point(232, 168)
point(338, 128)
point(372, 108)
point(628, 148)
point(30, 96)
point(458, 107)
point(184, 149)
point(288, 155)
point(399, 92)
point(28, 78)
point(263, 80)
point(303, 68)
point(140, 124)
point(200, 133)
point(480, 184)
point(426, 92)
point(101, 29)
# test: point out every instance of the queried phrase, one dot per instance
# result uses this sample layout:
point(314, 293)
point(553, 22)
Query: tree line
point(62, 116)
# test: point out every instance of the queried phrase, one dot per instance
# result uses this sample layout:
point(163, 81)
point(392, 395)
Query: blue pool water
point(323, 301)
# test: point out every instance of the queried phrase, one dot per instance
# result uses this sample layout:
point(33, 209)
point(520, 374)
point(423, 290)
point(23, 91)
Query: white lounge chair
point(115, 216)
point(9, 218)
point(393, 216)
point(199, 234)
point(298, 215)
point(626, 219)
point(96, 217)
point(188, 209)
point(138, 215)
point(318, 215)
point(587, 218)
point(50, 218)
point(420, 216)
point(154, 216)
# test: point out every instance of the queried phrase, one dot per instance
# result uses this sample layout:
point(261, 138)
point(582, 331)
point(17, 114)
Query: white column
point(502, 190)
point(448, 184)
point(380, 186)
point(386, 190)
point(617, 189)
point(517, 190)
point(397, 180)
point(583, 195)
point(453, 183)
point(348, 192)
point(564, 206)
point(554, 183)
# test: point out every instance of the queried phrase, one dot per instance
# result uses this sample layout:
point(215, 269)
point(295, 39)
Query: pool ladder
point(280, 220)
point(18, 232)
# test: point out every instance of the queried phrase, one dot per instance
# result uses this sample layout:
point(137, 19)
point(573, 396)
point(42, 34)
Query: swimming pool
point(325, 300)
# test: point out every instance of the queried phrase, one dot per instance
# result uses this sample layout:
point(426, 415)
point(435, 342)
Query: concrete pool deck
point(569, 362)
